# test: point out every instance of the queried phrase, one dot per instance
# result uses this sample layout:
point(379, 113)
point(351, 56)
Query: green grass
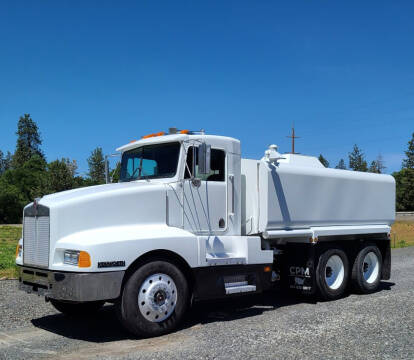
point(402, 234)
point(9, 237)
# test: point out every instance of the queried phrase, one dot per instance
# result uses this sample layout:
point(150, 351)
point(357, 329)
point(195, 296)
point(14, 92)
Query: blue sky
point(101, 73)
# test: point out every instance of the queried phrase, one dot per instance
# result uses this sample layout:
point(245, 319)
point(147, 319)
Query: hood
point(55, 199)
point(108, 205)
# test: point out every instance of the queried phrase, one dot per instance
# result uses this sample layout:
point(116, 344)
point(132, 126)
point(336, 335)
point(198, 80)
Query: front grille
point(36, 235)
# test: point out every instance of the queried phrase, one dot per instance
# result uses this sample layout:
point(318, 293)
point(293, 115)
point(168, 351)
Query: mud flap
point(300, 267)
point(386, 260)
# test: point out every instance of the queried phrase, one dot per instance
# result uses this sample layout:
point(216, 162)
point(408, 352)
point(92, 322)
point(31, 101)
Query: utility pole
point(293, 137)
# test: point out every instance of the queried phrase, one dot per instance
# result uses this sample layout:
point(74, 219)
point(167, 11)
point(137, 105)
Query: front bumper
point(71, 286)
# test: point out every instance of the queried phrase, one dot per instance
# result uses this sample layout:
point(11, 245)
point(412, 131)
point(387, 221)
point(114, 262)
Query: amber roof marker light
point(161, 133)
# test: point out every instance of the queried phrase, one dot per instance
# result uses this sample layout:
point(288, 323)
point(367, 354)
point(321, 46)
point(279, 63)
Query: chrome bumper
point(70, 286)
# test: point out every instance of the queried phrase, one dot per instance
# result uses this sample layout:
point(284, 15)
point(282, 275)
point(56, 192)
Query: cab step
point(238, 284)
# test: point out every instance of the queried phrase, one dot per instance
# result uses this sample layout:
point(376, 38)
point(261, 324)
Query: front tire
point(367, 268)
point(154, 299)
point(332, 274)
point(77, 309)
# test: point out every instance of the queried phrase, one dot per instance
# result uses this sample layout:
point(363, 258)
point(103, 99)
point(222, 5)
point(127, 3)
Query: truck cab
point(191, 220)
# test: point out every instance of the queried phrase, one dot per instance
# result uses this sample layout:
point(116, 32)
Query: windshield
point(150, 162)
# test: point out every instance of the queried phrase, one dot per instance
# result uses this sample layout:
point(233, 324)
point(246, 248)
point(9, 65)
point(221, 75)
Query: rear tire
point(154, 299)
point(332, 274)
point(77, 309)
point(367, 269)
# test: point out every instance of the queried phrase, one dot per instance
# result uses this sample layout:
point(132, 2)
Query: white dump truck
point(190, 219)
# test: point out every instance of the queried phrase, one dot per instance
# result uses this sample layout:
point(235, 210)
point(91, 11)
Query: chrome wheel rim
point(157, 297)
point(370, 267)
point(334, 272)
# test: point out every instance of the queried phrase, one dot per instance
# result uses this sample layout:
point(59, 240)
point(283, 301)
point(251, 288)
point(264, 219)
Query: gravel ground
point(276, 326)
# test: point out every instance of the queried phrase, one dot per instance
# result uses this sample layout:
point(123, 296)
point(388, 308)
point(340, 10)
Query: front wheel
point(332, 274)
point(77, 309)
point(154, 299)
point(367, 268)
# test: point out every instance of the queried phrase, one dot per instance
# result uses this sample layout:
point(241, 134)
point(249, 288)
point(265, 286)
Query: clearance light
point(161, 133)
point(313, 240)
point(18, 251)
point(267, 268)
point(184, 131)
point(132, 141)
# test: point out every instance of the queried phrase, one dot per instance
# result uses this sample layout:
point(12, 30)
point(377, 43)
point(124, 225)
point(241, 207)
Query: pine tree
point(8, 161)
point(72, 166)
point(377, 166)
point(408, 163)
point(1, 162)
point(341, 165)
point(356, 160)
point(96, 163)
point(60, 175)
point(374, 167)
point(28, 141)
point(5, 161)
point(323, 161)
point(404, 180)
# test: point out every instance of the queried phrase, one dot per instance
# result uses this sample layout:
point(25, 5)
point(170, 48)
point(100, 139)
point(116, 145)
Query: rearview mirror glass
point(204, 158)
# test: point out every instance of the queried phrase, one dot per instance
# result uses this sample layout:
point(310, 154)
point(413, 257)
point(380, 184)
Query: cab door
point(205, 196)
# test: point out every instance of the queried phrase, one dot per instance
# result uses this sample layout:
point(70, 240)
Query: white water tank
point(298, 192)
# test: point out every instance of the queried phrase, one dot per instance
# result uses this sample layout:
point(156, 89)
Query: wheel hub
point(370, 267)
point(160, 297)
point(328, 271)
point(334, 272)
point(157, 297)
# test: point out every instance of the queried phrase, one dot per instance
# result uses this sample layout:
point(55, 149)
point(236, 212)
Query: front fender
point(124, 244)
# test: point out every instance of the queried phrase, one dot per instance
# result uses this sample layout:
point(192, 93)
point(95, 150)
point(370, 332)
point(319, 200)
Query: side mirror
point(204, 158)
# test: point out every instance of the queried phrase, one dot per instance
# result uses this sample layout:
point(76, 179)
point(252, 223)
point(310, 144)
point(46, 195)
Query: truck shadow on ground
point(104, 327)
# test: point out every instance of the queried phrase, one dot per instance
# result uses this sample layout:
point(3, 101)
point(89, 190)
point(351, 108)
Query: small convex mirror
point(204, 156)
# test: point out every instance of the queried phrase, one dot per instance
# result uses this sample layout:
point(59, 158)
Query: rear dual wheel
point(332, 272)
point(367, 268)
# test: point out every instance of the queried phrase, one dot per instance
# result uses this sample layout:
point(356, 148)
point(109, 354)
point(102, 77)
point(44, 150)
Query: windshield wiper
point(145, 176)
point(141, 170)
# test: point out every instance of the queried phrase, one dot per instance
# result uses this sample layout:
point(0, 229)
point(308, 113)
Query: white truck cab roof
point(215, 140)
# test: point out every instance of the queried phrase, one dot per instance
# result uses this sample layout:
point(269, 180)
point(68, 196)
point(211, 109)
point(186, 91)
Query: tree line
point(357, 162)
point(25, 174)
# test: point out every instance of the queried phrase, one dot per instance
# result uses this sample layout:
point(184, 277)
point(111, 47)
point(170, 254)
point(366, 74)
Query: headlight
point(71, 257)
point(77, 258)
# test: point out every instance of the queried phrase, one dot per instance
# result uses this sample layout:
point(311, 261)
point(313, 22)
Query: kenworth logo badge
point(35, 204)
point(108, 264)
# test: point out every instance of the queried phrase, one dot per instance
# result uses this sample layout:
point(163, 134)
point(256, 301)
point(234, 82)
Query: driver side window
point(217, 165)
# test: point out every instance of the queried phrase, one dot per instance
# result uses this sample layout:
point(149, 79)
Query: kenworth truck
point(191, 220)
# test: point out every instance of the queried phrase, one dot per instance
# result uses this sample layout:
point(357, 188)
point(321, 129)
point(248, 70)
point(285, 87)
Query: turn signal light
point(84, 260)
point(267, 268)
point(18, 251)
